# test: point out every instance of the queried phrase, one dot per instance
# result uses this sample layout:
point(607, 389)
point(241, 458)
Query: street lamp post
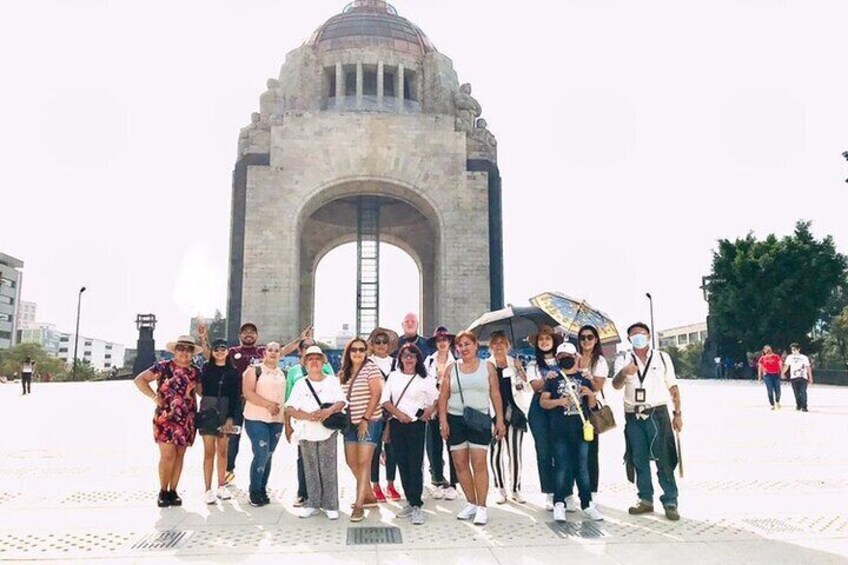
point(76, 333)
point(653, 334)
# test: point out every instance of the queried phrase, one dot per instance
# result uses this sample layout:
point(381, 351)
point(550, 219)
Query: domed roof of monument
point(366, 23)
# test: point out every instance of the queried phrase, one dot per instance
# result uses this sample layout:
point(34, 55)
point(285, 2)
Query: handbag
point(209, 418)
point(336, 420)
point(387, 431)
point(474, 419)
point(602, 418)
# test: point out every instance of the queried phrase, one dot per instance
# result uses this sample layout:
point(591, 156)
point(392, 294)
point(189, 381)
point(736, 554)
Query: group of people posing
point(396, 398)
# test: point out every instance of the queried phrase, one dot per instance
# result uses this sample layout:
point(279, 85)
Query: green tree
point(772, 291)
point(12, 359)
point(835, 350)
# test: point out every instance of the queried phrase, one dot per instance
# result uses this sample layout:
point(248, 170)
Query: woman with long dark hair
point(362, 383)
point(595, 368)
point(545, 342)
point(410, 398)
point(220, 394)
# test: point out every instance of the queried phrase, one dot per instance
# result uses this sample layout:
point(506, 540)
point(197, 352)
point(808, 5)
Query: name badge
point(640, 395)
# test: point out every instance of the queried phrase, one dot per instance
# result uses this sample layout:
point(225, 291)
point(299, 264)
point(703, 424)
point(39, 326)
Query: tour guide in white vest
point(650, 384)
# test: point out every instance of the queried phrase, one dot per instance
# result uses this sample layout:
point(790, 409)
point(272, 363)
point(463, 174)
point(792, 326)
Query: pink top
point(271, 384)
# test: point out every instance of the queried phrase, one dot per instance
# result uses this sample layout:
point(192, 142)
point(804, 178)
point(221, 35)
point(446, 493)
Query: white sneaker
point(209, 497)
point(333, 514)
point(405, 512)
point(549, 502)
point(481, 517)
point(309, 512)
point(467, 513)
point(559, 512)
point(571, 504)
point(450, 493)
point(224, 493)
point(593, 513)
point(417, 517)
point(516, 496)
point(501, 496)
point(438, 492)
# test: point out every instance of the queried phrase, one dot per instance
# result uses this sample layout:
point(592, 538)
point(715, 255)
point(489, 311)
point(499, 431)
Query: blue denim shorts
point(375, 433)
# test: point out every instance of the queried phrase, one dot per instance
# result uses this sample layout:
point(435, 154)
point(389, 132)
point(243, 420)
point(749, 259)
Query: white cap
point(566, 348)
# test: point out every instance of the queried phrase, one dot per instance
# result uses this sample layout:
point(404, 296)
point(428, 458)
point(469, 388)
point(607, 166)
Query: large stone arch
point(327, 219)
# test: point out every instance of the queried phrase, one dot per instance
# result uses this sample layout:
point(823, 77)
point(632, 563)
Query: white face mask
point(639, 341)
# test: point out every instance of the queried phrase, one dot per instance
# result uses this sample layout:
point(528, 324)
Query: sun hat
point(183, 340)
point(545, 330)
point(391, 334)
point(441, 332)
point(312, 350)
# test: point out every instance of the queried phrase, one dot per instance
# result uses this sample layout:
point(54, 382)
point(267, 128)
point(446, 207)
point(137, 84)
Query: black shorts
point(463, 437)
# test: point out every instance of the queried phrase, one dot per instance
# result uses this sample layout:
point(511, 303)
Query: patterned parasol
point(571, 314)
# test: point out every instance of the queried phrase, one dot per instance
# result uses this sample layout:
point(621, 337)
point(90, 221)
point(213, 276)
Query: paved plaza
point(78, 482)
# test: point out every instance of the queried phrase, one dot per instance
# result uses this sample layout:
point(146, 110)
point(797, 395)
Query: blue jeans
point(538, 420)
point(772, 388)
point(799, 387)
point(571, 462)
point(641, 434)
point(264, 438)
point(375, 433)
point(233, 444)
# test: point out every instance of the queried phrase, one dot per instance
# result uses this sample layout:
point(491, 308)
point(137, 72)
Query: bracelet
point(676, 413)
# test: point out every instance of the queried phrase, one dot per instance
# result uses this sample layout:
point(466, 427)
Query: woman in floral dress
point(173, 419)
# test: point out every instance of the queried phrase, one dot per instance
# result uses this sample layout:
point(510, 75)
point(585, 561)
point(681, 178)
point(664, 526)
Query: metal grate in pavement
point(584, 530)
point(374, 535)
point(167, 540)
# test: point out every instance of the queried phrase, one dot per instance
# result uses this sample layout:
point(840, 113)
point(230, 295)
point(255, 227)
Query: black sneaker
point(174, 498)
point(164, 500)
point(265, 498)
point(255, 498)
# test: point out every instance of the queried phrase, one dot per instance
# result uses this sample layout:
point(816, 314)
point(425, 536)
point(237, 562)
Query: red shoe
point(378, 494)
point(392, 493)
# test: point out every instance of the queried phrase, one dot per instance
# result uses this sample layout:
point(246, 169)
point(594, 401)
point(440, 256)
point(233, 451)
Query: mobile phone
point(419, 413)
point(234, 431)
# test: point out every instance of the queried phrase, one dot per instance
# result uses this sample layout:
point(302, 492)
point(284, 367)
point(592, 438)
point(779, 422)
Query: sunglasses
point(184, 348)
point(380, 341)
point(408, 356)
point(357, 350)
point(220, 348)
point(587, 337)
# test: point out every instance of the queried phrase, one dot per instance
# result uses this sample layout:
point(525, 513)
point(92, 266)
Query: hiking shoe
point(299, 502)
point(308, 512)
point(229, 478)
point(175, 498)
point(450, 493)
point(223, 493)
point(255, 498)
point(641, 507)
point(332, 514)
point(559, 512)
point(405, 512)
point(164, 500)
point(438, 492)
point(549, 502)
point(593, 513)
point(501, 496)
point(571, 504)
point(209, 497)
point(671, 513)
point(467, 513)
point(481, 517)
point(358, 514)
point(417, 517)
point(378, 493)
point(516, 497)
point(392, 494)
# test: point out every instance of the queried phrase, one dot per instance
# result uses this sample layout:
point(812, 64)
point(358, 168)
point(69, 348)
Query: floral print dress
point(173, 421)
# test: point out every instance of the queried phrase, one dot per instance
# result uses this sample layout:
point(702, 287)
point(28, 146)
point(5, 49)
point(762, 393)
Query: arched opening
point(335, 291)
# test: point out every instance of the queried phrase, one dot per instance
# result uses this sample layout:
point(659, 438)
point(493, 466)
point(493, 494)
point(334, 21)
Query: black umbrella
point(518, 322)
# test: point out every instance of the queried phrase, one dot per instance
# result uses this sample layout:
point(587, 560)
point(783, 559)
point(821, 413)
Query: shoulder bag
point(337, 420)
point(474, 419)
point(602, 418)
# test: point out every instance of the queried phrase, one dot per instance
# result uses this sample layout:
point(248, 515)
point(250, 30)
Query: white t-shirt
point(385, 363)
point(533, 372)
point(301, 398)
point(658, 378)
point(798, 364)
point(600, 370)
point(421, 393)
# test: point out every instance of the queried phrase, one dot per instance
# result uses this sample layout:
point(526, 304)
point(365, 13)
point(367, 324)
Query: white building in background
point(683, 336)
point(44, 335)
point(103, 355)
point(26, 314)
point(11, 275)
point(343, 336)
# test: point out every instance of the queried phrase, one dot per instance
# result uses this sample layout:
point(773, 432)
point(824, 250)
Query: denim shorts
point(375, 433)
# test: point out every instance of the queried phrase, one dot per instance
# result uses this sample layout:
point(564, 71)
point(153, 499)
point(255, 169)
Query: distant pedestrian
point(314, 399)
point(27, 370)
point(650, 383)
point(769, 369)
point(800, 372)
point(470, 383)
point(442, 345)
point(174, 417)
point(219, 395)
point(264, 390)
point(594, 367)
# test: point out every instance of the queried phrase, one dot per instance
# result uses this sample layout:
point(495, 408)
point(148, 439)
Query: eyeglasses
point(184, 348)
point(220, 348)
point(357, 350)
point(587, 337)
point(380, 341)
point(408, 356)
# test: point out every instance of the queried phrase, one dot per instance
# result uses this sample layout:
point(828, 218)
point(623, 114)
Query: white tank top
point(475, 389)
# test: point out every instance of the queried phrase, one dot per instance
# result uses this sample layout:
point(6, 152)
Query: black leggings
point(391, 464)
point(26, 382)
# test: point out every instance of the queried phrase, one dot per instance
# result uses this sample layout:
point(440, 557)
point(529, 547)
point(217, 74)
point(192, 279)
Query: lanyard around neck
point(643, 374)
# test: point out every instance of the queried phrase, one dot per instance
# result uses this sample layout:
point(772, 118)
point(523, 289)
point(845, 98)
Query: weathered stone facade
point(366, 107)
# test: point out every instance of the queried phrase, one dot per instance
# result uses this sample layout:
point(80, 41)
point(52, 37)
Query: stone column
point(380, 85)
point(399, 89)
point(340, 83)
point(359, 77)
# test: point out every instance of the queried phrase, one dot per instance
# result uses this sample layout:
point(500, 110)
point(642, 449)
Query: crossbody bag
point(474, 419)
point(336, 420)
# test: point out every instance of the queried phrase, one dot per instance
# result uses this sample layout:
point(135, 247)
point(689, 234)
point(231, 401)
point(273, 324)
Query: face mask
point(639, 341)
point(566, 362)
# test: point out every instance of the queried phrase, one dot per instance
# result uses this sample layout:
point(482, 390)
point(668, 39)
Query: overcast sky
point(631, 136)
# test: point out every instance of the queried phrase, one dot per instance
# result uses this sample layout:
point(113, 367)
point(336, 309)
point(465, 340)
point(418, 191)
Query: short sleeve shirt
point(329, 391)
point(798, 365)
point(770, 364)
point(559, 388)
point(658, 376)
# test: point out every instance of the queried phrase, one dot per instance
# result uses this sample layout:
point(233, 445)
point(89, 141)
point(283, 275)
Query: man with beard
point(243, 355)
